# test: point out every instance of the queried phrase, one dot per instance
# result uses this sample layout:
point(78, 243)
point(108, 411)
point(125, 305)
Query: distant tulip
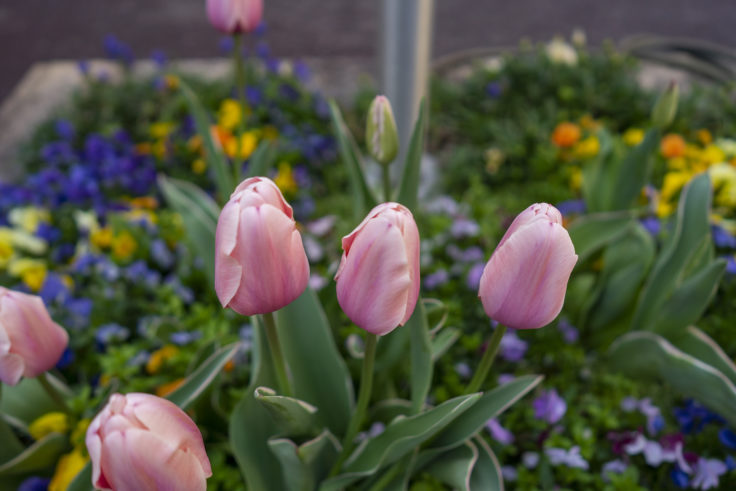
point(30, 342)
point(260, 263)
point(523, 285)
point(378, 277)
point(140, 442)
point(234, 16)
point(381, 135)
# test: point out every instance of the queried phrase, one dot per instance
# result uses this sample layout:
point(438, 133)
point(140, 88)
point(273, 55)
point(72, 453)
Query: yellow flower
point(677, 163)
point(566, 134)
point(285, 179)
point(633, 136)
point(194, 144)
point(664, 209)
point(28, 218)
point(172, 82)
point(140, 215)
point(704, 136)
point(166, 389)
point(102, 237)
point(248, 144)
point(147, 202)
point(6, 247)
point(79, 433)
point(230, 114)
point(587, 148)
point(199, 166)
point(494, 159)
point(723, 177)
point(159, 149)
point(576, 179)
point(270, 132)
point(67, 468)
point(55, 422)
point(672, 145)
point(159, 357)
point(588, 123)
point(673, 183)
point(123, 246)
point(713, 155)
point(161, 130)
point(31, 271)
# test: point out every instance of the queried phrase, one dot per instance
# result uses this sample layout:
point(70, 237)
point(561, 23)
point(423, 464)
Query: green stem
point(53, 392)
point(386, 182)
point(240, 93)
point(364, 396)
point(277, 355)
point(485, 363)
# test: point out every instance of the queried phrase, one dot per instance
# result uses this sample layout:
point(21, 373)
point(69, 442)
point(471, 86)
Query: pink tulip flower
point(30, 342)
point(523, 285)
point(234, 16)
point(140, 442)
point(260, 263)
point(378, 277)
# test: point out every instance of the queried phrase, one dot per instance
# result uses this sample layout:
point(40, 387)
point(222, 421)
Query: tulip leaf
point(444, 341)
point(678, 254)
point(392, 350)
point(251, 426)
point(454, 467)
point(409, 187)
point(698, 344)
point(487, 471)
point(403, 435)
point(421, 357)
point(202, 377)
point(293, 418)
point(388, 409)
point(11, 445)
point(28, 400)
point(591, 233)
point(645, 354)
point(363, 199)
point(634, 172)
point(216, 160)
point(598, 176)
point(199, 214)
point(307, 464)
point(83, 480)
point(262, 159)
point(320, 375)
point(42, 454)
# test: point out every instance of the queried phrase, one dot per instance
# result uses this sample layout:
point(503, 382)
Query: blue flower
point(570, 458)
point(301, 71)
point(53, 289)
point(730, 264)
point(159, 58)
point(549, 406)
point(436, 279)
point(253, 95)
point(185, 337)
point(722, 238)
point(67, 358)
point(118, 50)
point(35, 483)
point(728, 438)
point(64, 129)
point(79, 310)
point(651, 225)
point(111, 332)
point(571, 207)
point(226, 45)
point(680, 478)
point(161, 253)
point(472, 281)
point(512, 347)
point(569, 332)
point(494, 89)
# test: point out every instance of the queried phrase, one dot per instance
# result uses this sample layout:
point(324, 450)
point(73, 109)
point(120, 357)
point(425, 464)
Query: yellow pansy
point(80, 431)
point(723, 177)
point(102, 237)
point(161, 130)
point(270, 132)
point(704, 136)
point(285, 179)
point(67, 468)
point(677, 163)
point(55, 422)
point(199, 166)
point(494, 159)
point(123, 246)
point(576, 179)
point(31, 271)
point(713, 155)
point(172, 82)
point(28, 218)
point(230, 114)
point(633, 136)
point(248, 143)
point(159, 357)
point(6, 247)
point(587, 148)
point(673, 183)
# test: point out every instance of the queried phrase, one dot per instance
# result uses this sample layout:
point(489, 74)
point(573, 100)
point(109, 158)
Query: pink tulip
point(140, 442)
point(260, 263)
point(233, 16)
point(30, 342)
point(523, 285)
point(378, 277)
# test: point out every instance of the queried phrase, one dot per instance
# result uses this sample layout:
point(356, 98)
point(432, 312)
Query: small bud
point(380, 133)
point(666, 107)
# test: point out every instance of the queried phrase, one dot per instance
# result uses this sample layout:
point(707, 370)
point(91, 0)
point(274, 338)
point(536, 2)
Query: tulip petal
point(12, 367)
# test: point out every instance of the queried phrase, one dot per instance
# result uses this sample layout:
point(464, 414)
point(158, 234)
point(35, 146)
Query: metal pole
point(406, 41)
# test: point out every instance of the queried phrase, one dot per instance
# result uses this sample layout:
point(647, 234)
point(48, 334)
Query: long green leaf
point(305, 465)
point(409, 187)
point(293, 418)
point(262, 159)
point(27, 401)
point(455, 467)
point(421, 357)
point(202, 377)
point(591, 233)
point(698, 344)
point(42, 454)
point(11, 445)
point(487, 471)
point(634, 172)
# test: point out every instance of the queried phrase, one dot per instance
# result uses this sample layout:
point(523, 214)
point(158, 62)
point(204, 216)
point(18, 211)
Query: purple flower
point(184, 337)
point(549, 406)
point(494, 90)
point(226, 45)
point(301, 71)
point(651, 225)
point(499, 433)
point(571, 207)
point(34, 483)
point(679, 478)
point(509, 473)
point(728, 438)
point(64, 128)
point(505, 378)
point(161, 253)
point(159, 58)
point(653, 414)
point(463, 370)
point(111, 332)
point(722, 238)
point(616, 466)
point(530, 459)
point(570, 458)
point(473, 279)
point(67, 357)
point(707, 472)
point(512, 347)
point(317, 282)
point(730, 265)
point(436, 279)
point(464, 227)
point(569, 332)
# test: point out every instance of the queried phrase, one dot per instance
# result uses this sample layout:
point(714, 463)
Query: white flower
point(559, 51)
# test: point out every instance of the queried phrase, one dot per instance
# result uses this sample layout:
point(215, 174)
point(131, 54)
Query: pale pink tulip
point(140, 442)
point(523, 285)
point(378, 277)
point(30, 342)
point(233, 16)
point(260, 263)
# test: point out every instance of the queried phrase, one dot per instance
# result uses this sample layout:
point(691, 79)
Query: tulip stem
point(364, 396)
point(485, 363)
point(53, 392)
point(240, 94)
point(278, 357)
point(386, 182)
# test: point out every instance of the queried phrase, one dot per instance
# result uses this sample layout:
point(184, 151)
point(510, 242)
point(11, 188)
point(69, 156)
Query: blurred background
point(35, 30)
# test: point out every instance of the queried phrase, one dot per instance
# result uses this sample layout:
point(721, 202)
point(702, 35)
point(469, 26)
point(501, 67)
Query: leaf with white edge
point(487, 471)
point(443, 341)
point(591, 233)
point(202, 377)
point(306, 465)
point(409, 187)
point(42, 454)
point(454, 467)
point(388, 409)
point(320, 375)
point(421, 357)
point(695, 342)
point(645, 354)
point(11, 445)
point(293, 418)
point(400, 437)
point(28, 401)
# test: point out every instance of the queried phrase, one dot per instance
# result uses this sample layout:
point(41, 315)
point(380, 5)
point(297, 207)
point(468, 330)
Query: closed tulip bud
point(30, 342)
point(140, 442)
point(378, 277)
point(523, 285)
point(665, 108)
point(234, 16)
point(260, 263)
point(380, 131)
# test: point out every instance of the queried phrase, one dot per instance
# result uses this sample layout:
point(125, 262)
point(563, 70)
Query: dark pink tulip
point(140, 442)
point(30, 342)
point(378, 277)
point(523, 285)
point(260, 263)
point(233, 16)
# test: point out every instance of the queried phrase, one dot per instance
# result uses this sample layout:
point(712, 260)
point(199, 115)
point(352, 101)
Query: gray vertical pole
point(406, 41)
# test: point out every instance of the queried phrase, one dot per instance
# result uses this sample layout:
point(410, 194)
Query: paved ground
point(33, 30)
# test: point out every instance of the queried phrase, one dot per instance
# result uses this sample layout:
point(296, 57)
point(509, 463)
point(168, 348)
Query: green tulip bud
point(666, 107)
point(380, 132)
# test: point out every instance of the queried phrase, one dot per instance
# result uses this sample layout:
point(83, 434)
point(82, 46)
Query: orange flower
point(672, 146)
point(566, 134)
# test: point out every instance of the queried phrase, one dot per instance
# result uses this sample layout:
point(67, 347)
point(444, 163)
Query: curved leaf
point(454, 467)
point(42, 454)
point(443, 341)
point(409, 187)
point(306, 465)
point(487, 471)
point(292, 417)
point(202, 377)
point(591, 233)
point(421, 357)
point(634, 172)
point(696, 343)
point(28, 400)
